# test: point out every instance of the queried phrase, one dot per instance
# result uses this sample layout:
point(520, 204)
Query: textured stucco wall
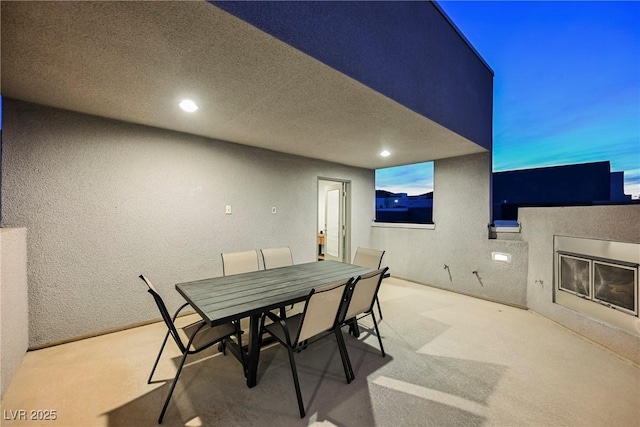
point(539, 225)
point(14, 314)
point(105, 201)
point(460, 239)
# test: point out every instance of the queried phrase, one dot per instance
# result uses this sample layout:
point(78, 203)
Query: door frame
point(346, 212)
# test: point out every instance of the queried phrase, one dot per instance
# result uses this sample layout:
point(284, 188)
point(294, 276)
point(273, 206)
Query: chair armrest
point(283, 325)
point(273, 317)
point(175, 316)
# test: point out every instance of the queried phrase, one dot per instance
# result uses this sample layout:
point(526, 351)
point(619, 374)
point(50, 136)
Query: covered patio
point(104, 178)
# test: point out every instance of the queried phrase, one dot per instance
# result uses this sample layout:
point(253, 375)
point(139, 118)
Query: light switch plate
point(274, 210)
point(227, 210)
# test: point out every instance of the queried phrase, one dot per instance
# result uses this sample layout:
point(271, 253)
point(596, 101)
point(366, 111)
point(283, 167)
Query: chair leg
point(173, 386)
point(344, 354)
point(375, 324)
point(155, 365)
point(294, 372)
point(379, 310)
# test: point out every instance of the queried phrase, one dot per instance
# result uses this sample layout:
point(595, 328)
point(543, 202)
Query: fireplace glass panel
point(615, 285)
point(575, 275)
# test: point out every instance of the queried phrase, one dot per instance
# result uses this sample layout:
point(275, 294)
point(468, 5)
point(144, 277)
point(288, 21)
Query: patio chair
point(239, 262)
point(359, 301)
point(199, 336)
point(319, 315)
point(276, 257)
point(370, 258)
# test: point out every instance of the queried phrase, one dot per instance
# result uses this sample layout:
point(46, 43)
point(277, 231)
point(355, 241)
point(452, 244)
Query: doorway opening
point(334, 228)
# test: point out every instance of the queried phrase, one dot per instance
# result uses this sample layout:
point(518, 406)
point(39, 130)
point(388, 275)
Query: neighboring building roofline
point(462, 36)
point(556, 167)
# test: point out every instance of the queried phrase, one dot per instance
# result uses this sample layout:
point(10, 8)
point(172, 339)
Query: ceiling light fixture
point(188, 105)
point(385, 153)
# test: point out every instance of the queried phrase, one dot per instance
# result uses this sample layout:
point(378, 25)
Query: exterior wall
point(459, 240)
point(407, 51)
point(539, 225)
point(105, 201)
point(14, 311)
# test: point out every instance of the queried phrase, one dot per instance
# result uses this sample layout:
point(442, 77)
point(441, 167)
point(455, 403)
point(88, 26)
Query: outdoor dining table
point(222, 299)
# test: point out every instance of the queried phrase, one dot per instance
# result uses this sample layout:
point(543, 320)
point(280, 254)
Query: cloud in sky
point(412, 179)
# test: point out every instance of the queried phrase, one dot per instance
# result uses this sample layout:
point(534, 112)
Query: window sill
point(403, 225)
point(506, 227)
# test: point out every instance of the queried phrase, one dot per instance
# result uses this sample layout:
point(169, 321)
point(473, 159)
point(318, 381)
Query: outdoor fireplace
point(599, 279)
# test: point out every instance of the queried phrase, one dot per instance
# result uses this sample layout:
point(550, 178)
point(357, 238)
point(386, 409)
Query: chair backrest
point(164, 313)
point(276, 257)
point(362, 294)
point(369, 258)
point(239, 262)
point(321, 310)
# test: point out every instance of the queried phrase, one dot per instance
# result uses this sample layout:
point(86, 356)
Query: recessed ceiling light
point(188, 105)
point(385, 153)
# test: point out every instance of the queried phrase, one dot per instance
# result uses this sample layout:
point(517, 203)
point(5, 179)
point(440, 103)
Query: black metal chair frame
point(293, 344)
point(385, 275)
point(185, 350)
point(352, 323)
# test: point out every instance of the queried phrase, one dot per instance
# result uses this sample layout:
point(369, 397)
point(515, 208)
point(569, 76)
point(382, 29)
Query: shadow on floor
point(212, 391)
point(403, 388)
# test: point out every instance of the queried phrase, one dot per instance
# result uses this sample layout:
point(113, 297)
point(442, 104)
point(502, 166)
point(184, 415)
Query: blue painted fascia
point(408, 51)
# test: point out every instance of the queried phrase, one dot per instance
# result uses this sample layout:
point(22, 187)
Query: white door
point(334, 222)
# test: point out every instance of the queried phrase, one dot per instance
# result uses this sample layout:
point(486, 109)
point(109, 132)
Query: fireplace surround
point(598, 279)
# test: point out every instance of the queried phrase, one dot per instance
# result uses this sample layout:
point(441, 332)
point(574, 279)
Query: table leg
point(253, 350)
point(353, 328)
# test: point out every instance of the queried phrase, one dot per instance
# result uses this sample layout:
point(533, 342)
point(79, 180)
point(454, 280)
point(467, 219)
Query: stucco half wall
point(14, 310)
point(539, 226)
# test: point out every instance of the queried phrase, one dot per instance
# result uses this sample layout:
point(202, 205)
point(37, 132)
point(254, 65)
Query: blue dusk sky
point(411, 179)
point(566, 86)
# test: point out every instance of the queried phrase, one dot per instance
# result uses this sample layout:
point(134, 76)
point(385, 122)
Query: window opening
point(404, 194)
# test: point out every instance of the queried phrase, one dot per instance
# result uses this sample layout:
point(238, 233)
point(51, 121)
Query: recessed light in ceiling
point(188, 105)
point(385, 153)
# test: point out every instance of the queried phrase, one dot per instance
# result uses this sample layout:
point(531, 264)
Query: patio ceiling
point(134, 61)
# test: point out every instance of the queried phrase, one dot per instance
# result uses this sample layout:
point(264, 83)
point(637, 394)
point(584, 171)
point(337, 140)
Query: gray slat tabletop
point(221, 299)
